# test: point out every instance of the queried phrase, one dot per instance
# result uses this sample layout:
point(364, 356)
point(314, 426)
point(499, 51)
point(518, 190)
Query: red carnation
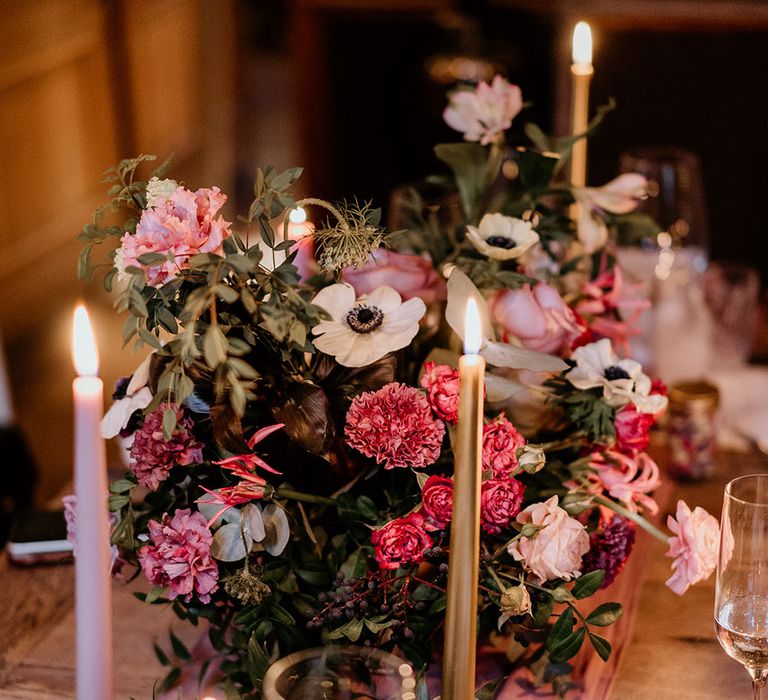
point(437, 500)
point(500, 501)
point(401, 542)
point(442, 385)
point(395, 426)
point(500, 442)
point(632, 429)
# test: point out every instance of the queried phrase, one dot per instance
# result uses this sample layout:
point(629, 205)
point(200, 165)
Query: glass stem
point(759, 677)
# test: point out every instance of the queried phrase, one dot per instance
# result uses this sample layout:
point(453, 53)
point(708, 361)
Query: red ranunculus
point(632, 429)
point(500, 502)
point(442, 385)
point(401, 542)
point(437, 500)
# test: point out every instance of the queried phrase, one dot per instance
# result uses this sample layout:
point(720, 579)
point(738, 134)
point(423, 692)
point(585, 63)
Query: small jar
point(692, 429)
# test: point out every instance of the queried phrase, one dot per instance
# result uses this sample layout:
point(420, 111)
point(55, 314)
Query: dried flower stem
point(325, 205)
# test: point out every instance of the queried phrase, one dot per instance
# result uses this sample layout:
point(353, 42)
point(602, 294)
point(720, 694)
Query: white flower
point(363, 330)
point(623, 381)
point(119, 262)
point(620, 196)
point(485, 112)
point(137, 397)
point(159, 189)
point(502, 237)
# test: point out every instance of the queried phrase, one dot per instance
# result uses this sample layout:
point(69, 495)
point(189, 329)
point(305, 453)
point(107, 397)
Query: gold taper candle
point(581, 72)
point(464, 555)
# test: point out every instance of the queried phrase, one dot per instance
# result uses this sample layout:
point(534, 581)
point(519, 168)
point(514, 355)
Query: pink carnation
point(395, 426)
point(401, 542)
point(177, 227)
point(500, 443)
point(152, 458)
point(632, 429)
point(437, 501)
point(694, 546)
point(500, 501)
point(442, 385)
point(179, 557)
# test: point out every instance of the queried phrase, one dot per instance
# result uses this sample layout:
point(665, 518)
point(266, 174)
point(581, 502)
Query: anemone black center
point(501, 242)
point(615, 372)
point(364, 318)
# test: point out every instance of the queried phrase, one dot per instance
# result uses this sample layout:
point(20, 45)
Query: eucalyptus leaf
point(514, 357)
point(460, 290)
point(230, 543)
point(253, 522)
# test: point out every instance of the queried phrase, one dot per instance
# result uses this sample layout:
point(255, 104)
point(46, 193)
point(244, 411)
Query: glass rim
point(732, 482)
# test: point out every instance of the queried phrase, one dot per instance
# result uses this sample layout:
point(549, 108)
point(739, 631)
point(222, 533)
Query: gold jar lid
point(699, 392)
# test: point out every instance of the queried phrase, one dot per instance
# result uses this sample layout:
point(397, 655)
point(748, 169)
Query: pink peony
point(395, 426)
point(555, 551)
point(486, 112)
point(152, 458)
point(632, 429)
point(442, 385)
point(410, 275)
point(179, 557)
point(500, 443)
point(694, 546)
point(176, 226)
point(500, 501)
point(437, 501)
point(627, 479)
point(537, 317)
point(401, 542)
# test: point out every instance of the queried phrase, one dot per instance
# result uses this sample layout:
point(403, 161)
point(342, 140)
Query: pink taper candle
point(93, 593)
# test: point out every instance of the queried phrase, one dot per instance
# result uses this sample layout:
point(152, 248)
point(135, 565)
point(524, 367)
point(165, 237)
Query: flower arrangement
point(289, 436)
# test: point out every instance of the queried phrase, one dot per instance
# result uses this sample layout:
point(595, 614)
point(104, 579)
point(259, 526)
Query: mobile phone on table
point(39, 537)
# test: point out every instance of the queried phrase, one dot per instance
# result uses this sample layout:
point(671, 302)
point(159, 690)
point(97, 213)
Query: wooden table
point(672, 653)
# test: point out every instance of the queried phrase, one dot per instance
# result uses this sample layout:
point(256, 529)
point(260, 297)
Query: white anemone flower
point(623, 381)
point(363, 330)
point(619, 196)
point(502, 237)
point(137, 397)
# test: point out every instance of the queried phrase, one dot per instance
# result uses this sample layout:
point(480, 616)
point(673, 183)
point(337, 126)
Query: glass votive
point(692, 429)
point(340, 673)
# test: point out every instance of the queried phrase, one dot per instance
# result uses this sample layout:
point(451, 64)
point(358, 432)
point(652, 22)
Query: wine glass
point(741, 599)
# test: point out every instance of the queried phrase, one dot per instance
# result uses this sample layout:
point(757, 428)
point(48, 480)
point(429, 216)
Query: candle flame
point(473, 335)
point(84, 352)
point(582, 44)
point(297, 215)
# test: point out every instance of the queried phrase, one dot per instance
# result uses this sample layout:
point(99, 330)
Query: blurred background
point(353, 90)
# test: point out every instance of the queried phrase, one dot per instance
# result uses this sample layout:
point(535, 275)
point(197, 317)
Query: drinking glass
point(741, 600)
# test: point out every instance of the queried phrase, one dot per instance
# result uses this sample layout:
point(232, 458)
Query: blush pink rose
point(537, 317)
point(500, 501)
point(179, 557)
point(694, 546)
point(632, 429)
point(401, 542)
point(410, 275)
point(442, 385)
point(500, 443)
point(177, 226)
point(555, 551)
point(437, 501)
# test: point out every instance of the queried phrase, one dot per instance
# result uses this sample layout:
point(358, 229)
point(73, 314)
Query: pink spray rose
point(152, 458)
point(442, 385)
point(179, 557)
point(401, 542)
point(694, 546)
point(437, 501)
point(395, 426)
point(538, 317)
point(500, 443)
point(632, 429)
point(177, 226)
point(500, 501)
point(556, 550)
point(410, 275)
point(485, 112)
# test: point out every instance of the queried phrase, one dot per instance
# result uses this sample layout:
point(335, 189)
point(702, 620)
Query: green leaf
point(376, 627)
point(225, 293)
point(351, 630)
point(121, 486)
point(356, 564)
point(602, 646)
point(151, 258)
point(562, 629)
point(150, 339)
point(116, 502)
point(367, 507)
point(155, 593)
point(170, 680)
point(214, 347)
point(162, 657)
point(258, 661)
point(166, 319)
point(179, 649)
point(169, 423)
point(561, 594)
point(605, 614)
point(587, 584)
point(469, 162)
point(568, 647)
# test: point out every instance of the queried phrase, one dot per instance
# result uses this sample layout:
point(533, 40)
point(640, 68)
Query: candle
point(93, 604)
point(464, 555)
point(581, 72)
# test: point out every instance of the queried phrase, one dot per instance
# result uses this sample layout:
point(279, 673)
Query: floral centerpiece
point(289, 435)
